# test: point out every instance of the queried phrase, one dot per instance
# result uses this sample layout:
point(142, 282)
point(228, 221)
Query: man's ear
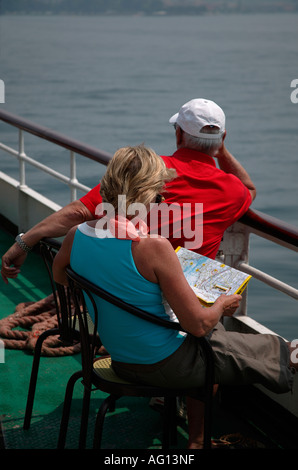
point(224, 135)
point(179, 136)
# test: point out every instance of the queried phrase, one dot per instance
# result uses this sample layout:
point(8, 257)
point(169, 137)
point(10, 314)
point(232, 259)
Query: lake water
point(114, 81)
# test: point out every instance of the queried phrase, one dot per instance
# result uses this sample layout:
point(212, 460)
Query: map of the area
point(209, 278)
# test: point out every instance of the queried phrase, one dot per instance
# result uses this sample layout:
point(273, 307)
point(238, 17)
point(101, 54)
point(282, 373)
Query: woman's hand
point(229, 303)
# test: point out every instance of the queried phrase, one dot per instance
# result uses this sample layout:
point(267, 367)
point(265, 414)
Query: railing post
point(73, 176)
point(22, 174)
point(233, 249)
point(22, 196)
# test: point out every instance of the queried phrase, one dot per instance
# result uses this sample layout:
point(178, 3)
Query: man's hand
point(228, 163)
point(12, 260)
point(54, 226)
point(221, 151)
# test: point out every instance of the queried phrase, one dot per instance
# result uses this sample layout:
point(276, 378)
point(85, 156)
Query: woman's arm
point(62, 258)
point(192, 316)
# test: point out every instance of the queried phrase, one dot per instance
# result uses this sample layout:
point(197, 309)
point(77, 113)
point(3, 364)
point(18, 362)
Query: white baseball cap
point(196, 114)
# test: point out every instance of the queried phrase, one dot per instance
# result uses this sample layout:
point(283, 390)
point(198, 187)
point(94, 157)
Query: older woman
point(117, 253)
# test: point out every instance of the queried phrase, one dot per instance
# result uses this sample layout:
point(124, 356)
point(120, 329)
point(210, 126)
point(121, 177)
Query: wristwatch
point(22, 244)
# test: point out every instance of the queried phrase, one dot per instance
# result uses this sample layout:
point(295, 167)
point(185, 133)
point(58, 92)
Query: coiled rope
point(34, 318)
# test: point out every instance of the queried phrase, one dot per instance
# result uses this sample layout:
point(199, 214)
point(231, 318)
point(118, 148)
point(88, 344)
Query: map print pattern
point(209, 278)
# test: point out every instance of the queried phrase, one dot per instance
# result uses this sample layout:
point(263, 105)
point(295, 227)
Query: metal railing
point(276, 231)
point(234, 249)
point(235, 244)
point(74, 147)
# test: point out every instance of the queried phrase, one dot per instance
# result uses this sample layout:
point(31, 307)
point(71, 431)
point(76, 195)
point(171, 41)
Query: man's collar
point(190, 154)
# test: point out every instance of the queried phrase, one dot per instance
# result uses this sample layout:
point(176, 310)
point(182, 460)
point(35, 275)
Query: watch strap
point(22, 244)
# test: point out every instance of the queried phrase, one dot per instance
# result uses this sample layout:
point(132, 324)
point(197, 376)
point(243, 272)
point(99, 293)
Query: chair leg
point(66, 408)
point(34, 373)
point(109, 403)
point(84, 418)
point(173, 427)
point(169, 423)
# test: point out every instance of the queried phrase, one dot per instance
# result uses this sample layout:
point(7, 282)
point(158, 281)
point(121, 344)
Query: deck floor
point(134, 425)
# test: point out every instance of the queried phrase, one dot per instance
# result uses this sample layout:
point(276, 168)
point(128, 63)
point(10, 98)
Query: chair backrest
point(79, 285)
point(49, 247)
point(90, 288)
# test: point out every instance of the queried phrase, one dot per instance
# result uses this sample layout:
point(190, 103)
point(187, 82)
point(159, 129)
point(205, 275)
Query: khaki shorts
point(240, 359)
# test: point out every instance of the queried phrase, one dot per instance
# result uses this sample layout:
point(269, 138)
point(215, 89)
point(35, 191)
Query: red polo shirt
point(222, 197)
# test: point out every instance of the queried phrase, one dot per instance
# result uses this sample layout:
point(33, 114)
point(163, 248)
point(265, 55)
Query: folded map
point(210, 278)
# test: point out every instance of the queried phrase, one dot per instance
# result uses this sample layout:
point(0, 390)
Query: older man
point(216, 196)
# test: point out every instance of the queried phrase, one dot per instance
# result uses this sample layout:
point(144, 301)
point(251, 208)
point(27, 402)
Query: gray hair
point(209, 146)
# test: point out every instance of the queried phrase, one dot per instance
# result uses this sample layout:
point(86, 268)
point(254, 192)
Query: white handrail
point(71, 181)
point(267, 279)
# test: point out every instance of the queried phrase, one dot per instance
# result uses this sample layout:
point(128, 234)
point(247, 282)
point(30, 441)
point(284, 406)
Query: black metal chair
point(98, 373)
point(68, 334)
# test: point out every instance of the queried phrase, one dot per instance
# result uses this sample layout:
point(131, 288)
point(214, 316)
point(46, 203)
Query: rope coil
point(35, 317)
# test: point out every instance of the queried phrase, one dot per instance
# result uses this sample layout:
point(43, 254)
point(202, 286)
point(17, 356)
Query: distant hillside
point(143, 6)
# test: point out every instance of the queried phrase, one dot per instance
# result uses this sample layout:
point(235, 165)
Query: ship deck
point(134, 424)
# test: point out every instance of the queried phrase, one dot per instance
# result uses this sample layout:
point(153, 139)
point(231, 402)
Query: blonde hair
point(136, 172)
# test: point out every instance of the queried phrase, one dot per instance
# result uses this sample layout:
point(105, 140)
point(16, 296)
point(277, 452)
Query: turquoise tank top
point(108, 262)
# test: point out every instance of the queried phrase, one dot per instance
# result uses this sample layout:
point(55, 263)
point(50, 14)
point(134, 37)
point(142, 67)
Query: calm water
point(113, 81)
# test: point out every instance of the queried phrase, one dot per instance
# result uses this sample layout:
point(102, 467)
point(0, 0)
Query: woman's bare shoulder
point(156, 243)
point(156, 250)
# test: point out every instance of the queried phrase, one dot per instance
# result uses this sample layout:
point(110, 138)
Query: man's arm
point(56, 225)
point(229, 164)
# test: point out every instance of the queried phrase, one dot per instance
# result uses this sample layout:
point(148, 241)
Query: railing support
point(73, 176)
point(21, 156)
